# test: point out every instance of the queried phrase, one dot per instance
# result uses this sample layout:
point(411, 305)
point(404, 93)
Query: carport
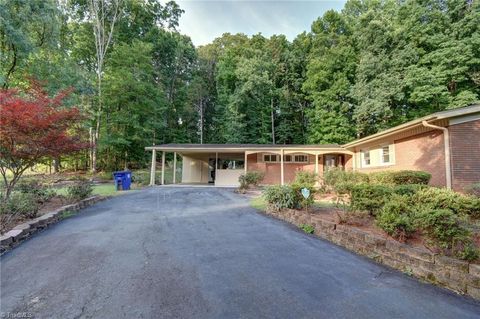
point(222, 164)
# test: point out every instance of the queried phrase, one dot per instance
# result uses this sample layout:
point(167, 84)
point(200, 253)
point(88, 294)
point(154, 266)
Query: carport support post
point(281, 166)
point(245, 162)
point(152, 170)
point(316, 164)
point(163, 168)
point(174, 167)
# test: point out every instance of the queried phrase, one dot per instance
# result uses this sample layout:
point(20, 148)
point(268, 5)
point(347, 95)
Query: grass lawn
point(101, 189)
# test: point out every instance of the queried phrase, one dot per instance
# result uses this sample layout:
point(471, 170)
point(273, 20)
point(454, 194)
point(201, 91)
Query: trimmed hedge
point(441, 198)
point(370, 198)
point(409, 189)
point(395, 217)
point(280, 197)
point(411, 177)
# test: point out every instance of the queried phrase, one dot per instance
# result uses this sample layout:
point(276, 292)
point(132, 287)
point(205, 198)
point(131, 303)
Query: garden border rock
point(457, 275)
point(21, 232)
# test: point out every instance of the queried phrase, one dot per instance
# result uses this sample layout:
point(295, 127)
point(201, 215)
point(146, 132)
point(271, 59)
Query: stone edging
point(19, 233)
point(457, 275)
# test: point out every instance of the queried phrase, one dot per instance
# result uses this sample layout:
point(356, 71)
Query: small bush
point(250, 178)
point(473, 189)
point(306, 179)
point(411, 177)
point(41, 193)
point(395, 217)
point(254, 178)
point(280, 197)
point(342, 182)
point(441, 198)
point(141, 178)
point(381, 178)
point(408, 189)
point(309, 229)
point(300, 201)
point(20, 203)
point(443, 228)
point(370, 198)
point(80, 190)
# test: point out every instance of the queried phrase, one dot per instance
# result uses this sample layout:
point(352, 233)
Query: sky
point(205, 20)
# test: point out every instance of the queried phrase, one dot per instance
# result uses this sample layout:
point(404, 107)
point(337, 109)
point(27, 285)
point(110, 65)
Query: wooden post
point(316, 164)
point(174, 167)
point(281, 167)
point(245, 163)
point(153, 168)
point(163, 168)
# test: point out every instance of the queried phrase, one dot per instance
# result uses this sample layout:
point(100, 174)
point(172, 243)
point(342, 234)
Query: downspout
point(446, 141)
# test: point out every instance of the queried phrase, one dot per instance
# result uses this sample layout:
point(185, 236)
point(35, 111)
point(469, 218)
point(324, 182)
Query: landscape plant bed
point(22, 231)
point(411, 257)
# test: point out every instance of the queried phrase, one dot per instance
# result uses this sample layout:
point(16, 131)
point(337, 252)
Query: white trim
point(464, 119)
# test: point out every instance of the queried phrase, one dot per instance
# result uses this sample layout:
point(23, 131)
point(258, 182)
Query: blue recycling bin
point(122, 180)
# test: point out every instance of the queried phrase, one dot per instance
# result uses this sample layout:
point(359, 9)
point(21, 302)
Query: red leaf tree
point(34, 126)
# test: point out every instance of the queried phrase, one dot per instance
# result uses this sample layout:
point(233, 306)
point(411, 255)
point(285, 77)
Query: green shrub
point(306, 179)
point(80, 190)
point(382, 178)
point(444, 229)
point(280, 197)
point(442, 198)
point(309, 229)
point(410, 177)
point(473, 189)
point(300, 201)
point(370, 198)
point(141, 178)
point(341, 181)
point(20, 203)
point(395, 217)
point(41, 193)
point(250, 178)
point(254, 178)
point(408, 189)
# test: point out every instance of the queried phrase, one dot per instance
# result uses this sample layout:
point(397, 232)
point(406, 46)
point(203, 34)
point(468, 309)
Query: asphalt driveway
point(203, 253)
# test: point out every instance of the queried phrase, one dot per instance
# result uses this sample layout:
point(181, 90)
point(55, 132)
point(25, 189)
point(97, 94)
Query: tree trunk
point(273, 122)
point(56, 165)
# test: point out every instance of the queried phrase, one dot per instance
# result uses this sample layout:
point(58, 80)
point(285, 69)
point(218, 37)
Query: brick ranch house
point(445, 144)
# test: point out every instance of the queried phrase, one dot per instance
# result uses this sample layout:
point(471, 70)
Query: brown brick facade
point(423, 152)
point(465, 154)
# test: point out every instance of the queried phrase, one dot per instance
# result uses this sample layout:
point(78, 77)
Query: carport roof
point(240, 147)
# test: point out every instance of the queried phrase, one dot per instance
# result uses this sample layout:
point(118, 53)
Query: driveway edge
point(20, 233)
point(456, 275)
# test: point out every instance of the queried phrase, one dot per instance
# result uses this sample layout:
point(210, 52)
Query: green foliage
point(250, 178)
point(411, 177)
point(280, 197)
point(81, 189)
point(306, 179)
point(41, 193)
point(444, 229)
point(395, 217)
point(309, 229)
point(20, 203)
point(342, 181)
point(408, 189)
point(442, 198)
point(473, 189)
point(370, 198)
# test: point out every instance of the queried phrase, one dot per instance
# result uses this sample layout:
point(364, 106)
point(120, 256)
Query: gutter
point(446, 141)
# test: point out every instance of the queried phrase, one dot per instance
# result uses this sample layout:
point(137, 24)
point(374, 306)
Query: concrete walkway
point(203, 253)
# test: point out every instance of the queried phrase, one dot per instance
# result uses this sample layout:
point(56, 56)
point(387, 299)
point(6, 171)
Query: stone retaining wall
point(21, 232)
point(457, 275)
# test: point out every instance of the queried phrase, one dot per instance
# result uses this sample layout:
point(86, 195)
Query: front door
point(332, 160)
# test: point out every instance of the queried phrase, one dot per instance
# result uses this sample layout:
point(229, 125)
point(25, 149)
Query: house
point(445, 144)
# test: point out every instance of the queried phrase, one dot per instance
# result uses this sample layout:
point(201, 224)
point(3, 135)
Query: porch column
point(174, 167)
point(152, 169)
point(281, 167)
point(245, 163)
point(316, 164)
point(163, 168)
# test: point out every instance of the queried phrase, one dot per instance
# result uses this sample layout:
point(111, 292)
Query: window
point(301, 158)
point(366, 158)
point(270, 158)
point(287, 158)
point(385, 155)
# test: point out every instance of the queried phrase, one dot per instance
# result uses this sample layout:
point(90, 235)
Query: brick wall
point(454, 274)
point(465, 154)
